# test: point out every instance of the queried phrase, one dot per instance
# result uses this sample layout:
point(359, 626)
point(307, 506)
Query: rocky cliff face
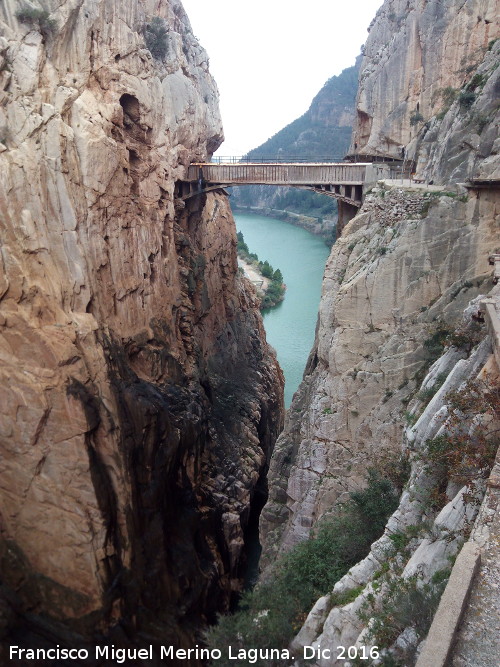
point(403, 270)
point(418, 57)
point(407, 264)
point(408, 260)
point(392, 594)
point(139, 400)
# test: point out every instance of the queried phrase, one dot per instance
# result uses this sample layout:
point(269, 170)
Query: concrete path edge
point(439, 643)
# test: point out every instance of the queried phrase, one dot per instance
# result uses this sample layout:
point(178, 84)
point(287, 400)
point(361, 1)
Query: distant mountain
point(324, 131)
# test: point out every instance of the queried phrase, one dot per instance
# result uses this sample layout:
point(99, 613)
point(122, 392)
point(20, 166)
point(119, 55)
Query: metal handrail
point(291, 159)
point(245, 159)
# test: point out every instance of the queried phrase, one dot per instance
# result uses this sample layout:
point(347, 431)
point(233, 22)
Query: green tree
point(242, 246)
point(266, 269)
point(40, 17)
point(156, 38)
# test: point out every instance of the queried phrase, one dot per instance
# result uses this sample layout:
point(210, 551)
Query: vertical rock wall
point(417, 52)
point(406, 265)
point(400, 267)
point(139, 401)
point(410, 259)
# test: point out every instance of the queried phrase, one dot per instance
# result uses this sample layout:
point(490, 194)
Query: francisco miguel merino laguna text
point(251, 655)
point(121, 655)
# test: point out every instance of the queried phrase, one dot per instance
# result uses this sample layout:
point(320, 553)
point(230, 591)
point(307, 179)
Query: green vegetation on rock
point(274, 611)
point(275, 292)
point(37, 17)
point(155, 34)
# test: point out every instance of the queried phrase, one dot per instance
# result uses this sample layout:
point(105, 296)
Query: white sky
point(270, 57)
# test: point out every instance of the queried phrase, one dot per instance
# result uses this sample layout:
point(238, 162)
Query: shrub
point(410, 418)
point(396, 469)
point(477, 81)
point(416, 118)
point(466, 99)
point(468, 450)
point(40, 17)
point(156, 38)
point(480, 121)
point(466, 337)
point(428, 393)
point(434, 344)
point(341, 599)
point(449, 95)
point(407, 603)
point(375, 503)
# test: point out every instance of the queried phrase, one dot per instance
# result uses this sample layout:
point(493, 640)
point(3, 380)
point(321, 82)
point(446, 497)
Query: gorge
point(140, 403)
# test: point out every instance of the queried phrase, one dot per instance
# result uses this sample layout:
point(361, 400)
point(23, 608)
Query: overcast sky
point(271, 57)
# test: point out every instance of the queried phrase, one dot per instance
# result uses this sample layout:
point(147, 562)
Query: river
point(301, 258)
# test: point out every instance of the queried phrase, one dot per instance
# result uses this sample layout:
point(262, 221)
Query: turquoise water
point(301, 257)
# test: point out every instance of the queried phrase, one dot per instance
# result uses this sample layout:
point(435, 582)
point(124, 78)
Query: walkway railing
point(273, 159)
point(305, 174)
point(293, 159)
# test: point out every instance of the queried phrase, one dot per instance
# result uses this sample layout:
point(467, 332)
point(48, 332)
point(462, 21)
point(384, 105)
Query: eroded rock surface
point(418, 59)
point(139, 400)
point(399, 266)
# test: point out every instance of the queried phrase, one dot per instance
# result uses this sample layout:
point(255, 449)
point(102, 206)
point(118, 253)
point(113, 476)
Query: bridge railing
point(273, 159)
point(294, 159)
point(306, 174)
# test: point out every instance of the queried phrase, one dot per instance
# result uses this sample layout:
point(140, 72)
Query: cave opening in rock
point(131, 107)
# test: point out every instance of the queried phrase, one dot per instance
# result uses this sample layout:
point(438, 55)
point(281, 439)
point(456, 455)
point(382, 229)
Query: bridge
point(345, 181)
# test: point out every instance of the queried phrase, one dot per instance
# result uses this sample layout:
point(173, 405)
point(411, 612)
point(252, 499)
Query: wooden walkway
point(343, 181)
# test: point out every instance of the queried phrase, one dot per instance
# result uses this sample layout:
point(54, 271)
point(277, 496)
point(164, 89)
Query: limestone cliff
point(408, 259)
point(408, 262)
point(139, 400)
point(419, 56)
point(392, 594)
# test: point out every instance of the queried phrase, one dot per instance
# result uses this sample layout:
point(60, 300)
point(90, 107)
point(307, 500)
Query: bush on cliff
point(40, 17)
point(274, 611)
point(156, 38)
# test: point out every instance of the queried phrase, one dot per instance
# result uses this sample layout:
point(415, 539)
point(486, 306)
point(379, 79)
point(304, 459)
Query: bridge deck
point(306, 174)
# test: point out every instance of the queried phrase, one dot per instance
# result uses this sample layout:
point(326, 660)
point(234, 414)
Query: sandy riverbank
point(253, 275)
